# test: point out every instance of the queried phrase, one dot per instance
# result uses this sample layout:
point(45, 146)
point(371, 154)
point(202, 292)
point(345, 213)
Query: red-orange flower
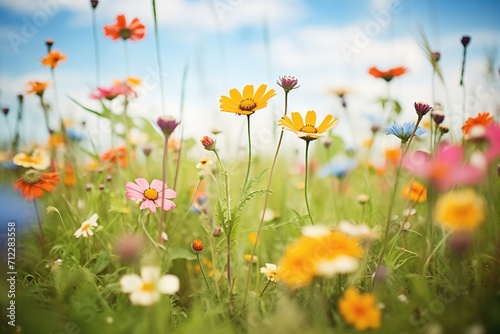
point(482, 119)
point(134, 31)
point(116, 156)
point(33, 183)
point(37, 87)
point(53, 58)
point(389, 74)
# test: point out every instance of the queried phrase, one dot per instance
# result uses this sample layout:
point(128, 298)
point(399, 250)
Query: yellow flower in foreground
point(248, 102)
point(307, 130)
point(39, 159)
point(415, 192)
point(319, 254)
point(359, 310)
point(460, 210)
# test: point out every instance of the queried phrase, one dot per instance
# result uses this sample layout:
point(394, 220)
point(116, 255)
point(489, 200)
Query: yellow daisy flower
point(307, 130)
point(248, 102)
point(461, 210)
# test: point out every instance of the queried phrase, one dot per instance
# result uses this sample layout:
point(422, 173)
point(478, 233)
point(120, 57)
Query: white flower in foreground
point(357, 230)
point(87, 226)
point(271, 272)
point(342, 264)
point(145, 290)
point(316, 231)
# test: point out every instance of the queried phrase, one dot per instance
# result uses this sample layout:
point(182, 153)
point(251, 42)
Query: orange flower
point(134, 31)
point(37, 87)
point(53, 58)
point(33, 183)
point(360, 310)
point(389, 74)
point(55, 140)
point(483, 119)
point(415, 192)
point(392, 155)
point(69, 176)
point(116, 156)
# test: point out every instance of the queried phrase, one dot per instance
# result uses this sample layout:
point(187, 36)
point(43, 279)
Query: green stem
point(263, 290)
point(306, 178)
point(266, 199)
point(393, 197)
point(203, 272)
point(188, 209)
point(96, 49)
point(42, 242)
point(158, 57)
point(163, 179)
point(249, 154)
point(228, 223)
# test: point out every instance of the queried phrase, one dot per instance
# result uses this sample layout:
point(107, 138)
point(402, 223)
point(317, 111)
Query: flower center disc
point(147, 287)
point(151, 194)
point(85, 227)
point(125, 33)
point(308, 129)
point(247, 105)
point(31, 177)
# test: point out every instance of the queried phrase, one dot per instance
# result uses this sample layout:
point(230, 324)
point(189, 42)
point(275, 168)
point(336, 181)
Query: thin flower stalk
point(306, 179)
point(266, 200)
point(158, 58)
point(249, 154)
point(96, 48)
point(393, 195)
point(203, 272)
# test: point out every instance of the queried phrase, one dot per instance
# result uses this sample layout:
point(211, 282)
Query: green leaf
point(181, 253)
point(101, 263)
point(105, 114)
point(397, 107)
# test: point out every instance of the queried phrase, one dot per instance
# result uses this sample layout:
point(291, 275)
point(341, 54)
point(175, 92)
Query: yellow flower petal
point(311, 118)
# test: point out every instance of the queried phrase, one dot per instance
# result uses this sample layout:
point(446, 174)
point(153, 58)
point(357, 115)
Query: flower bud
point(197, 246)
point(101, 186)
point(435, 56)
point(288, 83)
point(94, 3)
point(49, 42)
point(422, 108)
point(129, 247)
point(444, 129)
point(20, 98)
point(218, 230)
point(363, 199)
point(208, 143)
point(465, 40)
point(5, 111)
point(167, 124)
point(437, 114)
point(327, 142)
point(147, 150)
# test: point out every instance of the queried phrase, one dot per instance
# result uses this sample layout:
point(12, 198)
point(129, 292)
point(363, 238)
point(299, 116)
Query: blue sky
point(222, 42)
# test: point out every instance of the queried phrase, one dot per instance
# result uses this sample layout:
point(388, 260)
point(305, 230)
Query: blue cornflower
point(338, 167)
point(404, 131)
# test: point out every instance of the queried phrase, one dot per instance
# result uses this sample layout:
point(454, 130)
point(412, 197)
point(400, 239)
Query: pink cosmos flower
point(109, 93)
point(106, 93)
point(446, 169)
point(493, 136)
point(150, 195)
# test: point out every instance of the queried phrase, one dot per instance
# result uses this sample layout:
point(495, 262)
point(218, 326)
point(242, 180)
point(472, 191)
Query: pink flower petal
point(167, 204)
point(142, 183)
point(169, 193)
point(158, 185)
point(148, 204)
point(134, 191)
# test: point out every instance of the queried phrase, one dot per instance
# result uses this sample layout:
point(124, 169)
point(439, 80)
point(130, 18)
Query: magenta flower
point(493, 136)
point(150, 195)
point(446, 169)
